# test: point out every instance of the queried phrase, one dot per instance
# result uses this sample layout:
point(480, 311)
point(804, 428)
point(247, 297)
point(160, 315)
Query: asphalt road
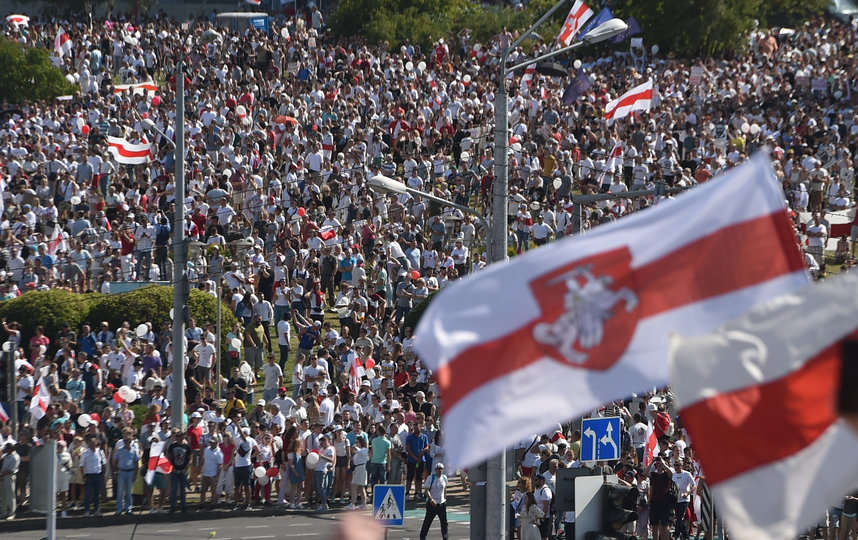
point(247, 527)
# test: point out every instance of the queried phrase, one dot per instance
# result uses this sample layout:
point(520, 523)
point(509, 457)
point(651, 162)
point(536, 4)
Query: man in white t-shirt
point(542, 494)
point(685, 487)
point(435, 488)
point(283, 401)
point(284, 336)
point(205, 352)
point(323, 474)
point(273, 378)
point(245, 449)
point(638, 436)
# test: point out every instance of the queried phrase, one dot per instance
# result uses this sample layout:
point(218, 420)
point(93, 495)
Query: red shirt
point(194, 436)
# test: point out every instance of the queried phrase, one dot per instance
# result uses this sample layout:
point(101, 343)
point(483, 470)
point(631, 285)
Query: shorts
point(526, 471)
point(659, 514)
point(342, 462)
point(242, 476)
point(160, 481)
point(411, 470)
point(208, 483)
point(853, 233)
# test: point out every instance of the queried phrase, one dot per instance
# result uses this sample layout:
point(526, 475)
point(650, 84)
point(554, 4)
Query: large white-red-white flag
point(158, 462)
point(57, 241)
point(614, 161)
point(129, 153)
point(578, 16)
point(63, 43)
point(40, 400)
point(585, 320)
point(760, 399)
point(136, 88)
point(638, 98)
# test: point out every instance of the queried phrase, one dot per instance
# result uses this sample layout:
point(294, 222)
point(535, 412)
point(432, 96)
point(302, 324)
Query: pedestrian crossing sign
point(388, 505)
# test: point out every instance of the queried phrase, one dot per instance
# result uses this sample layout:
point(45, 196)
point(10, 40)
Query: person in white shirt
point(326, 408)
point(638, 436)
point(273, 378)
point(541, 231)
point(284, 336)
point(435, 488)
point(92, 463)
point(205, 352)
point(685, 487)
point(212, 465)
point(323, 473)
point(245, 450)
point(144, 238)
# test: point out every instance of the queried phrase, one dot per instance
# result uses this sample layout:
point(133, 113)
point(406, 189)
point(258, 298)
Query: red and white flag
point(254, 2)
point(137, 89)
point(4, 416)
point(40, 401)
point(158, 462)
point(18, 20)
point(614, 161)
point(57, 241)
point(62, 43)
point(564, 328)
point(129, 153)
point(527, 78)
point(578, 16)
point(651, 444)
point(638, 98)
point(759, 398)
point(356, 372)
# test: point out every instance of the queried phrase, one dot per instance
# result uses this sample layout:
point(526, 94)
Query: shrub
point(28, 74)
point(47, 308)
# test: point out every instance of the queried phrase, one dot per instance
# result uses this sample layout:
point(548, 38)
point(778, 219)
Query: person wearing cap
point(259, 415)
point(436, 501)
point(194, 436)
point(213, 461)
point(179, 453)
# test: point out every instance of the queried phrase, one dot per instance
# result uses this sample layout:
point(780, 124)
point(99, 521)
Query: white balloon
point(421, 66)
point(654, 49)
point(557, 183)
point(576, 64)
point(263, 480)
point(127, 394)
point(7, 346)
point(79, 123)
point(370, 373)
point(259, 472)
point(172, 313)
point(477, 46)
point(75, 200)
point(284, 33)
point(84, 420)
point(312, 459)
point(745, 127)
point(755, 129)
point(241, 111)
point(409, 66)
point(142, 330)
point(236, 343)
point(466, 78)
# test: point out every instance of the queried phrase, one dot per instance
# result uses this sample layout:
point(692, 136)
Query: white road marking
point(168, 530)
point(256, 537)
point(256, 527)
point(78, 535)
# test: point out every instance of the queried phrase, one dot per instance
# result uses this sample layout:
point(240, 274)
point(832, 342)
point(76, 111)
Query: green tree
point(29, 75)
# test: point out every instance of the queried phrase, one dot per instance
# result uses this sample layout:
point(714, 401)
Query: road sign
point(388, 505)
point(600, 439)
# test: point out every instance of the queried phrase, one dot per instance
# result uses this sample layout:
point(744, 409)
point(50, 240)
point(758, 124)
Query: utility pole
point(180, 253)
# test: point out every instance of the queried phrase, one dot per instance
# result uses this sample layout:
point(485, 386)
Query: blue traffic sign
point(600, 439)
point(388, 505)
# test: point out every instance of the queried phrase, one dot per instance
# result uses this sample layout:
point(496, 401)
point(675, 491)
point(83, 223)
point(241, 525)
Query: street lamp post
point(180, 263)
point(496, 492)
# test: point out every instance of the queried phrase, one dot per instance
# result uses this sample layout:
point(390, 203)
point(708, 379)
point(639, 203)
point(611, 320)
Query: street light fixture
point(496, 500)
point(389, 185)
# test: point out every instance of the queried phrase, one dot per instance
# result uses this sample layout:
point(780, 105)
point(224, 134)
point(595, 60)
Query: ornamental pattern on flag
point(585, 320)
point(638, 98)
point(768, 384)
point(129, 153)
point(578, 15)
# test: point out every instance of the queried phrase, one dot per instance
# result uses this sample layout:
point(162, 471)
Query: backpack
point(242, 451)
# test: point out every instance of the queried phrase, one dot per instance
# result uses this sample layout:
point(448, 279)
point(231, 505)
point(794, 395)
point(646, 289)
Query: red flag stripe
point(755, 416)
point(665, 284)
point(124, 152)
point(568, 27)
point(629, 100)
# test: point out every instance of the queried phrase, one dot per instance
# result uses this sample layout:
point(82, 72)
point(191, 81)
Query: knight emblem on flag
point(582, 303)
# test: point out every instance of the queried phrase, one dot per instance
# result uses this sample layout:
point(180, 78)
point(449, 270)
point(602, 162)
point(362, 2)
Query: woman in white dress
point(360, 456)
point(530, 516)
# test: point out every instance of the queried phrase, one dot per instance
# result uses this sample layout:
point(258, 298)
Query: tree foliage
point(711, 27)
point(29, 75)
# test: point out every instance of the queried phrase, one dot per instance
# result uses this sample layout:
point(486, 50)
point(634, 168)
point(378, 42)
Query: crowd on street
point(323, 395)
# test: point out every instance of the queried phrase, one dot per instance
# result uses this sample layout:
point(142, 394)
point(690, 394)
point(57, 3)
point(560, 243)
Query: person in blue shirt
point(417, 452)
point(346, 265)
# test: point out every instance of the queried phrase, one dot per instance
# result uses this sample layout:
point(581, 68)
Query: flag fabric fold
point(4, 415)
point(136, 88)
point(129, 153)
point(62, 43)
point(40, 400)
point(638, 98)
point(585, 320)
point(578, 15)
point(580, 84)
point(614, 161)
point(158, 462)
point(768, 382)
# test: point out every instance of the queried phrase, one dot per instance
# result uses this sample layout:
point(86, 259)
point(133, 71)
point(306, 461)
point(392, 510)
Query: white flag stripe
point(643, 367)
point(504, 284)
point(799, 488)
point(791, 329)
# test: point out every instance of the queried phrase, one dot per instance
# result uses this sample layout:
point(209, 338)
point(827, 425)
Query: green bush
point(28, 74)
point(47, 308)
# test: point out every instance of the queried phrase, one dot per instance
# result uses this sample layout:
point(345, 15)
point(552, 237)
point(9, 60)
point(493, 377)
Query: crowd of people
point(284, 129)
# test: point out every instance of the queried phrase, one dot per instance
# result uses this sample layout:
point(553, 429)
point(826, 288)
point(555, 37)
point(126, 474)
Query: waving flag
point(129, 153)
point(254, 2)
point(634, 28)
point(527, 78)
point(62, 43)
point(356, 372)
point(57, 241)
point(614, 161)
point(157, 462)
point(578, 15)
point(638, 98)
point(760, 399)
point(585, 320)
point(40, 401)
point(137, 89)
point(579, 85)
point(4, 416)
point(18, 20)
point(603, 16)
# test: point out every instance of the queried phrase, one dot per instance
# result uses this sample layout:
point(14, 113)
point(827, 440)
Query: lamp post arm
point(428, 196)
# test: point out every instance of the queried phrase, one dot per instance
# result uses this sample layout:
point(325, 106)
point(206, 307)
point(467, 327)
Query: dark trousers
point(92, 492)
point(284, 357)
point(179, 483)
point(680, 530)
point(439, 510)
